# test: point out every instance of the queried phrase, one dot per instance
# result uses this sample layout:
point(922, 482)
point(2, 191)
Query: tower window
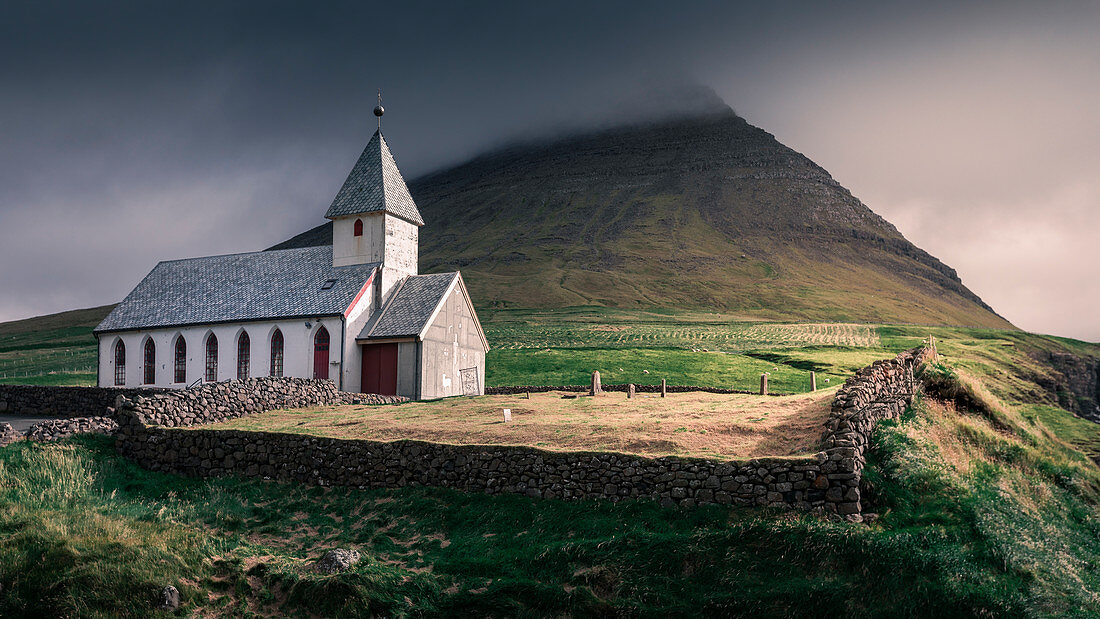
point(244, 355)
point(150, 362)
point(358, 227)
point(180, 370)
point(120, 363)
point(212, 358)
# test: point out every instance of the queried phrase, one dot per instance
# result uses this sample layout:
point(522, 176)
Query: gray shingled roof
point(255, 286)
point(407, 312)
point(375, 184)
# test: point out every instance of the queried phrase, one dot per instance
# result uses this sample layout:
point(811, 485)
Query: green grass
point(50, 350)
point(562, 366)
point(86, 533)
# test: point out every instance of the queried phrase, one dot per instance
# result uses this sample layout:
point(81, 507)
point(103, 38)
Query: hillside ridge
point(704, 211)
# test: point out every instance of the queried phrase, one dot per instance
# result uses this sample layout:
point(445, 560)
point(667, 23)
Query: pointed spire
point(379, 110)
point(375, 184)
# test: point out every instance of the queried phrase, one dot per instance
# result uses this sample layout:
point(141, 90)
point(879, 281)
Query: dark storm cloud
point(135, 132)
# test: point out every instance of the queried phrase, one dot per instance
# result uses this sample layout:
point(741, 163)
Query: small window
point(211, 358)
point(180, 373)
point(358, 227)
point(329, 283)
point(277, 353)
point(120, 363)
point(150, 362)
point(244, 355)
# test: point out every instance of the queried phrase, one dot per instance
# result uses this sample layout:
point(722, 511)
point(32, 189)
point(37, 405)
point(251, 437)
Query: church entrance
point(380, 369)
point(320, 353)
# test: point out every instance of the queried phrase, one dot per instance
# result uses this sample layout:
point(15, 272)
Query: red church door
point(380, 369)
point(320, 353)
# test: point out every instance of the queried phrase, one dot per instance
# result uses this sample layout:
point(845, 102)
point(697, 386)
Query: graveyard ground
point(684, 424)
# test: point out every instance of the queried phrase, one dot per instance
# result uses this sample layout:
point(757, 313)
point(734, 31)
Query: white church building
point(356, 312)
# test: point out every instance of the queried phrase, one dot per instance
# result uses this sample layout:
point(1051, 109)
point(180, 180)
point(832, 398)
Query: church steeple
point(374, 218)
point(375, 184)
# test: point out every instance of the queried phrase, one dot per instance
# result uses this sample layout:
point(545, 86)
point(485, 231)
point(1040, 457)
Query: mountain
point(703, 211)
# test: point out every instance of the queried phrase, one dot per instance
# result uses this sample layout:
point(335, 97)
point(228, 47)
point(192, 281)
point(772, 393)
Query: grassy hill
point(705, 212)
point(988, 504)
point(57, 349)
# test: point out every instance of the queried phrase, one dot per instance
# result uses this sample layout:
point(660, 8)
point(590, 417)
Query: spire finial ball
point(379, 111)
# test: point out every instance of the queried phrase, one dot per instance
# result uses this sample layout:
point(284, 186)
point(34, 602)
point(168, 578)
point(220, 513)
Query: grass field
point(683, 424)
point(976, 520)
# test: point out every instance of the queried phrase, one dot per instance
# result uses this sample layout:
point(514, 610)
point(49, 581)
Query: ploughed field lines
point(727, 337)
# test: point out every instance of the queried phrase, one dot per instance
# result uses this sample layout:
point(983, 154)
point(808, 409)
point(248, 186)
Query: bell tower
point(374, 219)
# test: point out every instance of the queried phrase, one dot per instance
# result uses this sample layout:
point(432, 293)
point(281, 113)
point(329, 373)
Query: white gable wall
point(297, 350)
point(451, 343)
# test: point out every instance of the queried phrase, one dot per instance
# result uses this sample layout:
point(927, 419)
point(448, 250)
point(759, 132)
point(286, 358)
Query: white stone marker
point(507, 415)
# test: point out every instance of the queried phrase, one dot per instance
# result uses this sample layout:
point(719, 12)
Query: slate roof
point(375, 184)
point(254, 286)
point(410, 307)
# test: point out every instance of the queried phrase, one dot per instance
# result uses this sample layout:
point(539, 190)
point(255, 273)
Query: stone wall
point(213, 402)
point(493, 470)
point(879, 391)
point(826, 482)
point(33, 400)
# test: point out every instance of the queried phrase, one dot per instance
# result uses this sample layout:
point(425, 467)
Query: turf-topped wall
point(63, 401)
point(827, 481)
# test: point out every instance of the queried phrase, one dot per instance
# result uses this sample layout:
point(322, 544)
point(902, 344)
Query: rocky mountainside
point(703, 212)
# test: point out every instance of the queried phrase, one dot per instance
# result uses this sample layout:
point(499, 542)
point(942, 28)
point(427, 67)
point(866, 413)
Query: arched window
point(244, 354)
point(150, 362)
point(120, 363)
point(212, 358)
point(320, 353)
point(179, 374)
point(358, 227)
point(277, 353)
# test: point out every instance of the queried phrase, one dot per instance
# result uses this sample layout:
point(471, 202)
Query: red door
point(380, 369)
point(320, 353)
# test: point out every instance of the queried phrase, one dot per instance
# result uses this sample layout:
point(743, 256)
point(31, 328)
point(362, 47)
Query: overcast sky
point(137, 132)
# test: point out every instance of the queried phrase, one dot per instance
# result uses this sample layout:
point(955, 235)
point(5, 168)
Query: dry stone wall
point(57, 429)
point(826, 482)
point(213, 402)
point(32, 400)
point(523, 470)
point(879, 391)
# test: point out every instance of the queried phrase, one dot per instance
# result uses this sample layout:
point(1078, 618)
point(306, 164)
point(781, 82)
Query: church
point(356, 312)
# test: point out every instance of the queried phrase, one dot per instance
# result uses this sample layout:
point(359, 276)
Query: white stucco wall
point(297, 350)
point(350, 249)
point(386, 239)
point(356, 318)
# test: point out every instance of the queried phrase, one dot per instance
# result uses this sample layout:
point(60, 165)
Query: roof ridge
point(244, 253)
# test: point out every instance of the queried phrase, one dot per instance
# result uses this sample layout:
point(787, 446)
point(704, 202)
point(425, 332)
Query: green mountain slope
point(702, 212)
